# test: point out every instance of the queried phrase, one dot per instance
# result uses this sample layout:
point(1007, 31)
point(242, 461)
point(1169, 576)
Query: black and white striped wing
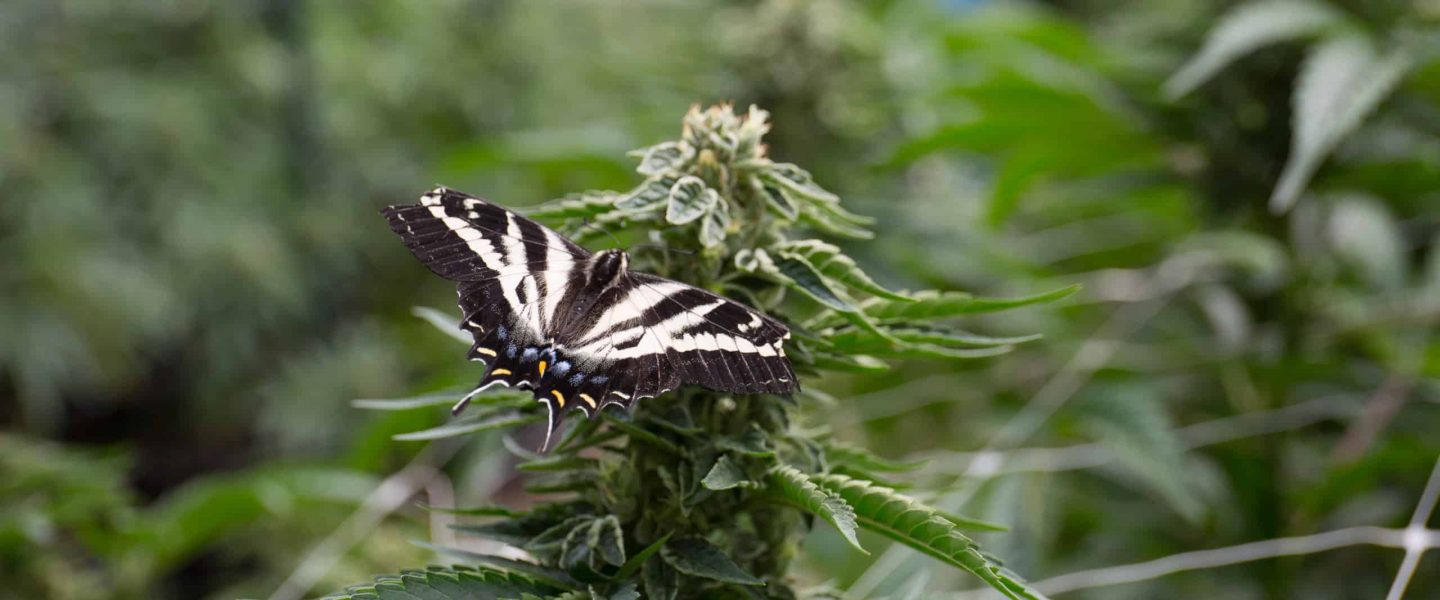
point(510, 272)
point(544, 319)
point(653, 335)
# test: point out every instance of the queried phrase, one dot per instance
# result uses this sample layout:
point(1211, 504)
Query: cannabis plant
point(702, 494)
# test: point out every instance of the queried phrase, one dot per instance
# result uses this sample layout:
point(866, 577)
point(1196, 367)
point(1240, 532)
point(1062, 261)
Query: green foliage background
point(193, 280)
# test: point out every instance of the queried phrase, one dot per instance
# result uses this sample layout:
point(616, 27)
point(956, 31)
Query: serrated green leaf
point(689, 199)
point(447, 583)
point(846, 454)
point(507, 531)
point(754, 442)
point(640, 433)
point(789, 485)
point(587, 205)
point(909, 350)
point(661, 581)
point(834, 264)
point(775, 200)
point(1246, 28)
point(1340, 83)
point(920, 342)
point(857, 363)
point(836, 221)
point(589, 441)
point(540, 573)
point(697, 557)
point(625, 592)
point(436, 399)
point(726, 475)
point(663, 157)
point(715, 225)
point(749, 260)
point(509, 398)
point(563, 482)
point(798, 274)
point(473, 424)
point(971, 523)
point(576, 549)
point(575, 595)
point(608, 540)
point(636, 562)
point(516, 531)
point(909, 522)
point(558, 463)
point(797, 183)
point(651, 194)
point(930, 305)
point(448, 325)
point(856, 340)
point(476, 511)
point(552, 543)
point(676, 418)
point(355, 594)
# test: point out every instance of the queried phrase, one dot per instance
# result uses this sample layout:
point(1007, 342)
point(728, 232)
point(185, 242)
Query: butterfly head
point(606, 267)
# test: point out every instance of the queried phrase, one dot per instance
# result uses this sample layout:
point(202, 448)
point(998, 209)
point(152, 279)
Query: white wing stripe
point(555, 277)
point(659, 338)
point(515, 255)
point(473, 238)
point(671, 334)
point(633, 305)
point(606, 342)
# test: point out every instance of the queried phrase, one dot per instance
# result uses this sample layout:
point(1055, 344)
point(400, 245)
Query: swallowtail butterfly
point(578, 328)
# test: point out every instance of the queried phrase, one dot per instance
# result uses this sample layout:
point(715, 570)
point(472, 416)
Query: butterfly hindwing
point(669, 334)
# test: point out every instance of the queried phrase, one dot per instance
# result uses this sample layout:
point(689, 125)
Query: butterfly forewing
point(547, 315)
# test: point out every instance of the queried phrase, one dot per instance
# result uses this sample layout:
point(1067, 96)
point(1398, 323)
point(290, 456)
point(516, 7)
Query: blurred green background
point(194, 281)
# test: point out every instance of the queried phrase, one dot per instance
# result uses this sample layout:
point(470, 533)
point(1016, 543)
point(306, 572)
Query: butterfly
point(579, 328)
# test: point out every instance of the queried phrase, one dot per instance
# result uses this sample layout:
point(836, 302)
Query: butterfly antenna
point(585, 223)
